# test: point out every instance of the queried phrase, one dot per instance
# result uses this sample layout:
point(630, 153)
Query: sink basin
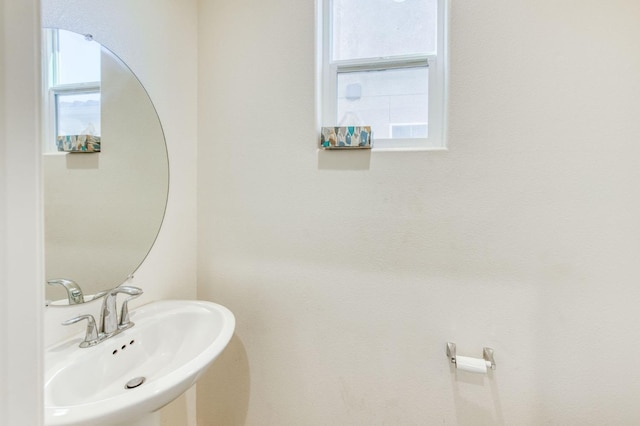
point(171, 345)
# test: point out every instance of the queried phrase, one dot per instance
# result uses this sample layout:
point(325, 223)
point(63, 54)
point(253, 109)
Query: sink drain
point(134, 383)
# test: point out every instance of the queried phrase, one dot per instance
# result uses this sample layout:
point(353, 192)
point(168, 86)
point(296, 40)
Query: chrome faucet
point(91, 337)
point(109, 325)
point(109, 313)
point(74, 293)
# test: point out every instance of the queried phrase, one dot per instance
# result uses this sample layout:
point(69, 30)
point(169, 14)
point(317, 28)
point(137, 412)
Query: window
point(72, 86)
point(383, 65)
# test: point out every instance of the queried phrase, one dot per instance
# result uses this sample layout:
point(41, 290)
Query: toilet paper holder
point(487, 355)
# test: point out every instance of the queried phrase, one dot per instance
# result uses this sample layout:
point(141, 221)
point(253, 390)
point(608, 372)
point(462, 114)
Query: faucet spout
point(74, 293)
point(109, 313)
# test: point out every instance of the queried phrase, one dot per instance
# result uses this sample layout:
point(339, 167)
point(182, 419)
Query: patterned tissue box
point(348, 137)
point(78, 143)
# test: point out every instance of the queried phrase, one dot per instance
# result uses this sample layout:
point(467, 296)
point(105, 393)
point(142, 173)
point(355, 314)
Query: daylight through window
point(383, 65)
point(72, 86)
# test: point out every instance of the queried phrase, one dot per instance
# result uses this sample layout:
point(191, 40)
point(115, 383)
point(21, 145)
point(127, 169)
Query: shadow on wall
point(476, 398)
point(344, 159)
point(223, 391)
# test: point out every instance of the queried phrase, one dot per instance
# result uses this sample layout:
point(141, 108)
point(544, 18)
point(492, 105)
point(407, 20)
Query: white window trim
point(328, 71)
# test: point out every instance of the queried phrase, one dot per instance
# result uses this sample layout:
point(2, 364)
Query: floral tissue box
point(346, 137)
point(78, 143)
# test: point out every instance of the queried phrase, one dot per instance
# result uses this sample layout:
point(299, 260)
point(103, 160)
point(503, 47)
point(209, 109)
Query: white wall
point(349, 271)
point(20, 216)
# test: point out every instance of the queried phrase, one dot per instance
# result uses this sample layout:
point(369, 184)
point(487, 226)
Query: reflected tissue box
point(78, 143)
point(346, 137)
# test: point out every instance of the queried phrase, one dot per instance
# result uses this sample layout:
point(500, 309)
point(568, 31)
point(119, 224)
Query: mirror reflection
point(105, 168)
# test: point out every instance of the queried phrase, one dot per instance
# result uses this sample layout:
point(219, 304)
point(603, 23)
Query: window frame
point(435, 61)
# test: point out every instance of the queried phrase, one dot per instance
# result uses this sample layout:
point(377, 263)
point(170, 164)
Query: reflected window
point(72, 87)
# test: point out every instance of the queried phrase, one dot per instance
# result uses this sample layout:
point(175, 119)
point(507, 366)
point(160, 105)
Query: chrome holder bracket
point(487, 355)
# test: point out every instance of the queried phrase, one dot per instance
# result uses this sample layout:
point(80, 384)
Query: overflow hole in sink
point(114, 352)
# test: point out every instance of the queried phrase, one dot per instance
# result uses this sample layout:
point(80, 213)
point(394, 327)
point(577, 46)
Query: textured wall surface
point(349, 271)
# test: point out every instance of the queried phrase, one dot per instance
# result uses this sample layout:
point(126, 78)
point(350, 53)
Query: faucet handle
point(91, 336)
point(124, 313)
point(74, 292)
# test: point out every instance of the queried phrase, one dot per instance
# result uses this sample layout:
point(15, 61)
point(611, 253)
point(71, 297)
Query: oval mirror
point(105, 168)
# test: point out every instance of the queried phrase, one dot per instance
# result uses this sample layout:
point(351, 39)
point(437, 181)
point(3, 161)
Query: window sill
point(409, 149)
point(408, 144)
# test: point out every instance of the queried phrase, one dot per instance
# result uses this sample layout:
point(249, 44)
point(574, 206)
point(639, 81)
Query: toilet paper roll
point(472, 365)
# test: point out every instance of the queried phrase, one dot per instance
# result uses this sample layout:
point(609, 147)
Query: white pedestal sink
point(171, 345)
